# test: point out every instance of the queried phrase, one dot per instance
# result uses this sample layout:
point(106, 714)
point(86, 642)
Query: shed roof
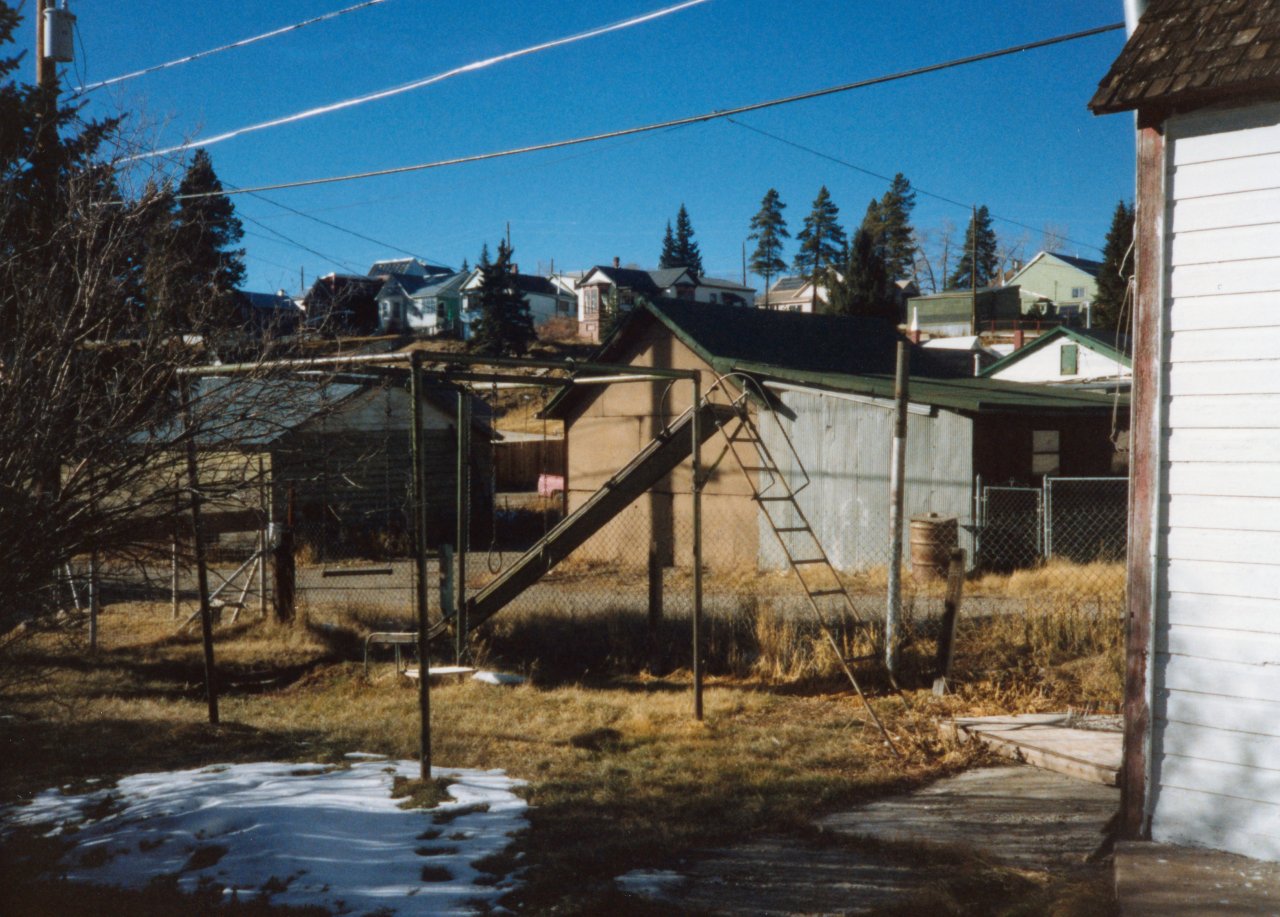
point(1111, 344)
point(1189, 53)
point(968, 395)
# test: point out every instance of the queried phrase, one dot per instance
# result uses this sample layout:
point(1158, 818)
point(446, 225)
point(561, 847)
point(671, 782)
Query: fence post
point(283, 561)
point(463, 524)
point(173, 559)
point(420, 537)
point(1046, 520)
point(896, 487)
point(95, 600)
point(202, 571)
point(696, 433)
point(655, 606)
point(950, 616)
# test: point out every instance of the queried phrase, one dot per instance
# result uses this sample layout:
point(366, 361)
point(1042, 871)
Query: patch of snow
point(301, 834)
point(498, 678)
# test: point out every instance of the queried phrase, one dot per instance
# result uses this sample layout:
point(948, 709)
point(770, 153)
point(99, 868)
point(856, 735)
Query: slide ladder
point(656, 460)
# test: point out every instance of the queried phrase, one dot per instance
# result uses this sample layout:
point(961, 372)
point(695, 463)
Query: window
point(591, 301)
point(1077, 292)
point(1045, 452)
point(1069, 359)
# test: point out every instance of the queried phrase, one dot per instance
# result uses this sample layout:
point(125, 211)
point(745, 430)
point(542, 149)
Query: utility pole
point(973, 265)
point(44, 70)
point(53, 47)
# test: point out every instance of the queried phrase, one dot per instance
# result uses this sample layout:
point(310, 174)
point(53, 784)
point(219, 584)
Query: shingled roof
point(1189, 53)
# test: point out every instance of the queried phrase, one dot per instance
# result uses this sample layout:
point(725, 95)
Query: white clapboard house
point(1202, 697)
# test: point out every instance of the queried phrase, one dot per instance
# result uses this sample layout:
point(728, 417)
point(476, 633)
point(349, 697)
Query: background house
point(423, 305)
point(545, 300)
point(343, 304)
point(1202, 692)
point(798, 294)
point(1062, 285)
point(267, 313)
point(624, 286)
point(1066, 355)
point(954, 313)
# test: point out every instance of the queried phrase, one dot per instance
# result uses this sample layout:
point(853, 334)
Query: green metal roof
point(971, 395)
point(1110, 344)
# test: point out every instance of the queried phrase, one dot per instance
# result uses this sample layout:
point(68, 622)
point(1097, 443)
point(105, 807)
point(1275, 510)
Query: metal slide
point(659, 458)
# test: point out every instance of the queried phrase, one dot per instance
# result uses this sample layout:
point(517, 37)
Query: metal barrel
point(933, 536)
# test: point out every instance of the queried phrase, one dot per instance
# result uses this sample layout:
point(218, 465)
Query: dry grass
point(620, 776)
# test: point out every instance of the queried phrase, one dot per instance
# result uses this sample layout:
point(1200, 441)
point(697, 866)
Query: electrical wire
point(427, 81)
point(849, 165)
point(233, 45)
point(680, 122)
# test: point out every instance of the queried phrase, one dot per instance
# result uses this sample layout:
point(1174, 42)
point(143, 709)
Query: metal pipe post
point(897, 462)
point(463, 534)
point(202, 569)
point(696, 432)
point(420, 540)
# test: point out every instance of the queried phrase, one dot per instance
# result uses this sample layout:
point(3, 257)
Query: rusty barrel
point(932, 538)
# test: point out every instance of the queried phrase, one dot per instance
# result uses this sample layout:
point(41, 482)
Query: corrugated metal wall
point(845, 446)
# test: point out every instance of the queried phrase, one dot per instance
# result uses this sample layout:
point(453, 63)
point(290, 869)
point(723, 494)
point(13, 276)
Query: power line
point(235, 44)
point(427, 81)
point(849, 165)
point(680, 122)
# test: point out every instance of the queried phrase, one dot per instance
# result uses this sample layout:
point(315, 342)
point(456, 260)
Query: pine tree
point(768, 229)
point(194, 284)
point(668, 258)
point(687, 254)
point(505, 326)
point(985, 247)
point(866, 288)
point(822, 240)
point(889, 222)
point(1113, 282)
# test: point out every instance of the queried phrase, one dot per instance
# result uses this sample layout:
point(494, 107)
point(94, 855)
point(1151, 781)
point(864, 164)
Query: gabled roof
point(408, 283)
point(532, 283)
point(269, 302)
point(1110, 344)
point(665, 277)
point(1190, 53)
point(649, 282)
point(434, 286)
point(1084, 265)
point(412, 266)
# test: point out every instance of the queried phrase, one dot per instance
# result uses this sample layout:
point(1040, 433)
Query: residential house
point(1082, 357)
point(1059, 285)
point(545, 300)
point(624, 287)
point(410, 267)
point(429, 304)
point(272, 314)
point(342, 304)
point(954, 313)
point(969, 348)
point(830, 382)
point(799, 294)
point(1202, 692)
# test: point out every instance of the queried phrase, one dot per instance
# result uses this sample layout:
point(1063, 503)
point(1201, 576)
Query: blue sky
point(1013, 133)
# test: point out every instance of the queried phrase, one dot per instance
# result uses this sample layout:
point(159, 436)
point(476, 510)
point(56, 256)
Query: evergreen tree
point(668, 258)
point(1113, 282)
point(505, 326)
point(194, 280)
point(866, 288)
point(889, 222)
point(985, 246)
point(687, 254)
point(466, 268)
point(768, 229)
point(822, 240)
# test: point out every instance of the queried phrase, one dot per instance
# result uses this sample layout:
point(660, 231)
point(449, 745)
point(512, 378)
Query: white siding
point(1045, 365)
point(845, 446)
point(1216, 689)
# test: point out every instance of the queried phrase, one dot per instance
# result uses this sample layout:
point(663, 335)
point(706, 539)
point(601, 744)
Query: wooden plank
point(1249, 208)
point(1204, 577)
point(1246, 514)
point(1226, 176)
point(1226, 613)
point(1217, 246)
point(1258, 717)
point(1225, 135)
point(1204, 819)
point(1221, 678)
point(1259, 276)
point(1213, 411)
point(1257, 447)
point(1261, 377)
point(1224, 546)
point(1044, 741)
point(1243, 310)
point(1209, 643)
point(1226, 344)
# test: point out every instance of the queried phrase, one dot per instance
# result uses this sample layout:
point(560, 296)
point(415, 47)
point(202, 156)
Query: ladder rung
point(792, 528)
point(819, 593)
point(774, 499)
point(808, 560)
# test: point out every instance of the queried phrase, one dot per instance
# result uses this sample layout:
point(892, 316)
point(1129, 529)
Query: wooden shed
point(1202, 695)
point(828, 382)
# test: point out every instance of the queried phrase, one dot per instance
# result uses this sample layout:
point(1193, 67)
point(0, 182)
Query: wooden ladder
point(772, 489)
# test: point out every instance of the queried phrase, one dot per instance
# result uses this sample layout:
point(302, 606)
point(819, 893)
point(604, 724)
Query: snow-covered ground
point(304, 834)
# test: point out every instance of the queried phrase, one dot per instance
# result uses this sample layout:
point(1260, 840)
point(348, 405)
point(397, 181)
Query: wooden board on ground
point(1087, 748)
